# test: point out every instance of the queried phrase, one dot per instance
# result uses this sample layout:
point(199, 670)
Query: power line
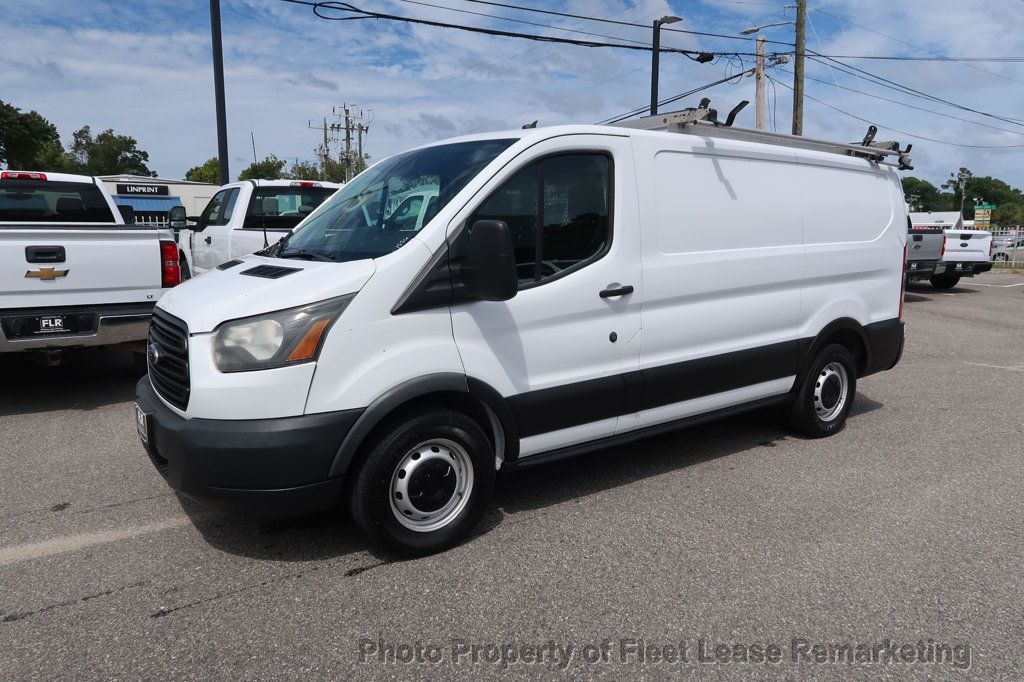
point(675, 98)
point(909, 106)
point(320, 7)
point(901, 132)
point(909, 90)
point(613, 21)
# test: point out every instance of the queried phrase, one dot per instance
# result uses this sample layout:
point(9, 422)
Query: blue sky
point(143, 68)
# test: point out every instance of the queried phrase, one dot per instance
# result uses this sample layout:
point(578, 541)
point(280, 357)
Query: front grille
point(169, 374)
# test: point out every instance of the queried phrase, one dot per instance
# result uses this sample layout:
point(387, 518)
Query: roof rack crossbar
point(704, 121)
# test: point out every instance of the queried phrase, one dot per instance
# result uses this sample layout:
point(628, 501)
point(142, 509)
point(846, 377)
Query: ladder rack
point(704, 122)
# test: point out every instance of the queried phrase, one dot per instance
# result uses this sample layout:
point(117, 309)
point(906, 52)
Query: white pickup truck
point(72, 271)
point(965, 253)
point(245, 217)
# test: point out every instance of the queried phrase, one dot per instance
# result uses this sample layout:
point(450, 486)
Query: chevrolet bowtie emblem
point(47, 274)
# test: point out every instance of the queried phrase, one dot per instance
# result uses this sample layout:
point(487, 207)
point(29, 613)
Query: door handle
point(208, 240)
point(620, 291)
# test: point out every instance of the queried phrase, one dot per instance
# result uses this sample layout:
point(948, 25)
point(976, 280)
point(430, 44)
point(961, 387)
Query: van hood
point(220, 295)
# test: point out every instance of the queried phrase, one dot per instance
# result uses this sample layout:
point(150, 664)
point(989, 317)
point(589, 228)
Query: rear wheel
point(424, 483)
point(944, 281)
point(1002, 257)
point(826, 393)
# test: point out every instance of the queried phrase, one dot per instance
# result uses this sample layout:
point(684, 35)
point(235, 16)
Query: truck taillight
point(991, 247)
point(21, 175)
point(942, 251)
point(170, 269)
point(306, 183)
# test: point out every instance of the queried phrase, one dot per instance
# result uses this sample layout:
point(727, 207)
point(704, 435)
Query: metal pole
point(759, 82)
point(655, 54)
point(218, 91)
point(798, 68)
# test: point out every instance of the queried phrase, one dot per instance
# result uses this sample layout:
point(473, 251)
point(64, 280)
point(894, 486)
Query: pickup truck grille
point(168, 336)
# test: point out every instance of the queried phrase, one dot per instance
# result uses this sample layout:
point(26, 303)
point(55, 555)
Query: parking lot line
point(996, 286)
point(72, 543)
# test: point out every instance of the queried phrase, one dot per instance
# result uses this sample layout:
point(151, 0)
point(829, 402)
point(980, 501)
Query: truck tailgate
point(43, 266)
point(966, 246)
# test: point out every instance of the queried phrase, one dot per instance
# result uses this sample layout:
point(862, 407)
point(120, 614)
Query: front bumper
point(107, 325)
point(259, 467)
point(963, 268)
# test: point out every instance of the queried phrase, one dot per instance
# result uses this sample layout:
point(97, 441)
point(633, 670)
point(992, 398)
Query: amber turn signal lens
point(307, 346)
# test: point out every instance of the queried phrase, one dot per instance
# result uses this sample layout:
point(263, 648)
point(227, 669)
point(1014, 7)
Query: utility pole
point(655, 58)
point(798, 67)
point(218, 91)
point(348, 144)
point(759, 100)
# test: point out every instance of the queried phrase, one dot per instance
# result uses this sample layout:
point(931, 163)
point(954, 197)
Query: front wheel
point(424, 483)
point(944, 281)
point(826, 393)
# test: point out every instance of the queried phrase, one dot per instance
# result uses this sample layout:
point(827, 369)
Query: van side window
point(558, 210)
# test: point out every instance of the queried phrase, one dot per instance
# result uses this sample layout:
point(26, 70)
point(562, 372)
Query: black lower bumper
point(962, 269)
point(920, 269)
point(885, 345)
point(261, 467)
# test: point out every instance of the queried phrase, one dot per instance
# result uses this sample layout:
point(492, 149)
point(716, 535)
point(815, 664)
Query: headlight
point(285, 337)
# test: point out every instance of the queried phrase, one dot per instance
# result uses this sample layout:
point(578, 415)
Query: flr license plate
point(53, 324)
point(142, 424)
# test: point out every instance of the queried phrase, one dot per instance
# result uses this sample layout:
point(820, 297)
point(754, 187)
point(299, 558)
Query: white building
point(152, 198)
point(950, 219)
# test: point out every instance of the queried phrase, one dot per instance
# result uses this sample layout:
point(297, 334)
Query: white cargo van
point(572, 287)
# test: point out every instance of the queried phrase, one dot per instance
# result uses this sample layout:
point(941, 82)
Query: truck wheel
point(185, 272)
point(944, 281)
point(424, 483)
point(826, 393)
point(1001, 257)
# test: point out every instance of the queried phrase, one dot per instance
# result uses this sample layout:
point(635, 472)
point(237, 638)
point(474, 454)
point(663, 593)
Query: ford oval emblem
point(964, 244)
point(153, 353)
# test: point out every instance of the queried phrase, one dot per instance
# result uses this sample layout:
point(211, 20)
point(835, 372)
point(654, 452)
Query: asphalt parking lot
point(907, 528)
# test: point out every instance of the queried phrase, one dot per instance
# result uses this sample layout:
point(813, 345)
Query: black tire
point(815, 411)
point(372, 486)
point(186, 273)
point(944, 281)
point(1001, 257)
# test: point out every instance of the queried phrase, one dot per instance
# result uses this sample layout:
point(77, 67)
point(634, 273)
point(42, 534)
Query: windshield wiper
point(308, 255)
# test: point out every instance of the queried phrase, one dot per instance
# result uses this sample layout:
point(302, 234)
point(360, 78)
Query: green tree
point(304, 170)
point(107, 154)
point(992, 191)
point(922, 195)
point(956, 185)
point(1008, 214)
point(270, 168)
point(208, 172)
point(28, 141)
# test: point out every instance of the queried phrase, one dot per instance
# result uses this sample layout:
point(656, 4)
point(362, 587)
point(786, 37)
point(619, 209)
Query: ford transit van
point(556, 290)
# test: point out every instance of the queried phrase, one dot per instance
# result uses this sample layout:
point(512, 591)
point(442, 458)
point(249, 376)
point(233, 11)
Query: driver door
point(557, 351)
point(211, 245)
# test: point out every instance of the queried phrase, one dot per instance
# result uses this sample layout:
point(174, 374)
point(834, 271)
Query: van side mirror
point(177, 217)
point(488, 269)
point(127, 214)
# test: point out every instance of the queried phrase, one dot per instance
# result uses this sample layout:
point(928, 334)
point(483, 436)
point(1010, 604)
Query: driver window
point(558, 212)
point(218, 211)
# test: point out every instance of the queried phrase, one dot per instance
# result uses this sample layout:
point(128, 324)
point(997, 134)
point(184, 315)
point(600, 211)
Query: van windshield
point(385, 206)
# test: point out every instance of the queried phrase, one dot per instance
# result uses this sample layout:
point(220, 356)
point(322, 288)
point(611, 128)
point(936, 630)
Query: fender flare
point(443, 382)
point(843, 324)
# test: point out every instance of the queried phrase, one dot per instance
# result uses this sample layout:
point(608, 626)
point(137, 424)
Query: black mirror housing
point(177, 218)
point(488, 270)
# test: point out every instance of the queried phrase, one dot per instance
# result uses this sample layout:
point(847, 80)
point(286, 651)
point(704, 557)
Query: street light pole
point(655, 54)
point(218, 90)
point(798, 67)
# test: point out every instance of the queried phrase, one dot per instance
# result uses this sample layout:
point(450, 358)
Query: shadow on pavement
point(331, 535)
point(87, 379)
